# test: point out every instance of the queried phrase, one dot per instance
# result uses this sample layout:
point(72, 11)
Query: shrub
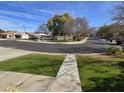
point(115, 50)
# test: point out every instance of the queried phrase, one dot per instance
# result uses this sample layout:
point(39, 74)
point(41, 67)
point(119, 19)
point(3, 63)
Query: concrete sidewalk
point(8, 53)
point(25, 82)
point(67, 79)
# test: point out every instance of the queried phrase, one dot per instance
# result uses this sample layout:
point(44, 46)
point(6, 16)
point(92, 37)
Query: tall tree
point(64, 24)
point(112, 31)
point(80, 27)
point(105, 32)
point(68, 24)
point(57, 23)
point(118, 17)
point(118, 12)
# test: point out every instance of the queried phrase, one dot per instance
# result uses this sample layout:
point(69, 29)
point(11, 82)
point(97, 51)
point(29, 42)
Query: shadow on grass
point(121, 64)
point(108, 84)
point(49, 69)
point(34, 64)
point(101, 75)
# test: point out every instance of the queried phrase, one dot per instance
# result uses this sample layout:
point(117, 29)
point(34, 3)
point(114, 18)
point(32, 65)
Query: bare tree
point(118, 28)
point(92, 32)
point(118, 12)
point(80, 28)
point(42, 28)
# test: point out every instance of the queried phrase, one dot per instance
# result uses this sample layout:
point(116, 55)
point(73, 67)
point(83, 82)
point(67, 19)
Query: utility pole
point(24, 28)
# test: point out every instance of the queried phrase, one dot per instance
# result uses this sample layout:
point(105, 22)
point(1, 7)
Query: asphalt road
point(91, 46)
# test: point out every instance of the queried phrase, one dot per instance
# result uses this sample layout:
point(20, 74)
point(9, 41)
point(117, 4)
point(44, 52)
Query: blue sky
point(16, 14)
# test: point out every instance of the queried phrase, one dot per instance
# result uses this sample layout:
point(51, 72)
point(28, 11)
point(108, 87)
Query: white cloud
point(20, 14)
point(44, 10)
point(7, 23)
point(3, 17)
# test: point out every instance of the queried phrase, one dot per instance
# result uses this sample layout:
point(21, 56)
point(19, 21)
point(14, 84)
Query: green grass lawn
point(101, 73)
point(34, 63)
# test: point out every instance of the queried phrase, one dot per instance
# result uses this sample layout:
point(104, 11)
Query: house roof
point(5, 33)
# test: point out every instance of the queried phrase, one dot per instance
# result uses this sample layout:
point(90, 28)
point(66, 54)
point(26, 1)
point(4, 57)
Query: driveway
point(91, 46)
point(8, 53)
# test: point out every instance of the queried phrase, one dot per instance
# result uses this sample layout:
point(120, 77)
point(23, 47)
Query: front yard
point(103, 73)
point(34, 64)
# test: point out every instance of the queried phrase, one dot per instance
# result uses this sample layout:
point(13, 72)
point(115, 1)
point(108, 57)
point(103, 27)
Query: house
point(7, 35)
point(14, 35)
point(24, 35)
point(43, 36)
point(40, 36)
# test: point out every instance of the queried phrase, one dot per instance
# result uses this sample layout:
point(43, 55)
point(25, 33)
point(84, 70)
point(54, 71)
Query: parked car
point(119, 42)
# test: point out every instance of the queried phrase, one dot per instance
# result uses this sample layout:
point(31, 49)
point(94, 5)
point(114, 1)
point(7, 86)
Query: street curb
point(46, 42)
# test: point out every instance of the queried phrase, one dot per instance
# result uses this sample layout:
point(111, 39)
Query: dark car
point(119, 42)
